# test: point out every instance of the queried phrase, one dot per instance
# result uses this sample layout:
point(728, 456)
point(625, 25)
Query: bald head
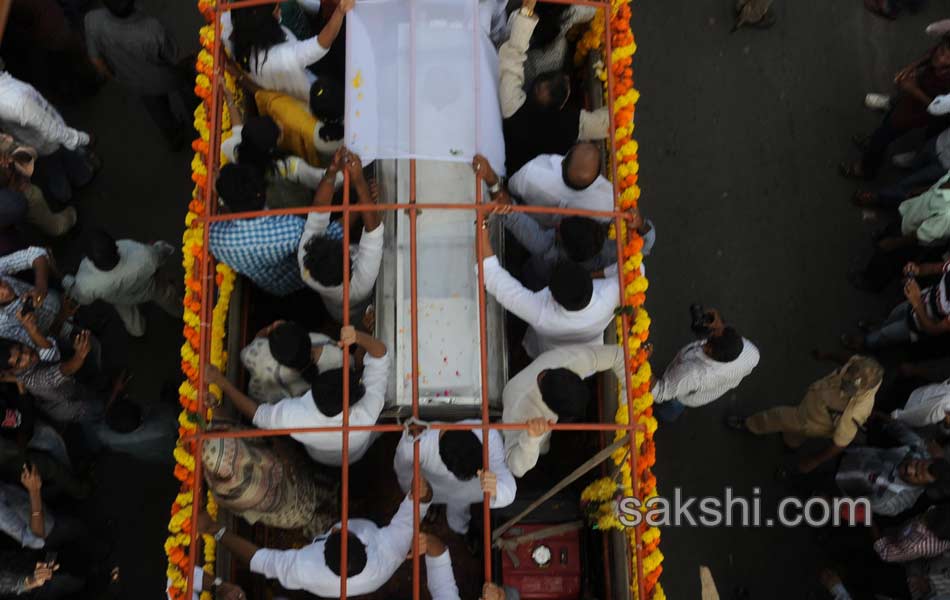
point(581, 166)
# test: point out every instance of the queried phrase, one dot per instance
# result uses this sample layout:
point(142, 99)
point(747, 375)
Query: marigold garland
point(625, 149)
point(177, 546)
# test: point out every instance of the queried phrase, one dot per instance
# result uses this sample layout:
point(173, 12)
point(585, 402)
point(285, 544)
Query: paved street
point(740, 135)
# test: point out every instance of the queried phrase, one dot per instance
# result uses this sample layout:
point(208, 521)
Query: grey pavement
point(740, 135)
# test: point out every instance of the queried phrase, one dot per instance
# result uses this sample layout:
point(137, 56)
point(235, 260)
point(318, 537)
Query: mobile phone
point(51, 558)
point(28, 305)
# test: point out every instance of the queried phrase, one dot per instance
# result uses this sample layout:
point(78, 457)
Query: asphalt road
point(740, 135)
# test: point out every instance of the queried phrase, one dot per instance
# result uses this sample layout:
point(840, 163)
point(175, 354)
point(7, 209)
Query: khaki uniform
point(826, 411)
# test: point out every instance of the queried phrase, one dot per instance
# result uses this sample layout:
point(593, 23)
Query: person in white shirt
point(373, 553)
point(321, 258)
point(569, 181)
point(126, 274)
point(573, 309)
point(451, 461)
point(322, 405)
point(284, 358)
point(65, 162)
point(927, 405)
point(702, 372)
point(271, 54)
point(440, 578)
point(550, 390)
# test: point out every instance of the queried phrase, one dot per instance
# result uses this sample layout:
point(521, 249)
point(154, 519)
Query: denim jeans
point(669, 411)
point(926, 169)
point(61, 172)
point(894, 331)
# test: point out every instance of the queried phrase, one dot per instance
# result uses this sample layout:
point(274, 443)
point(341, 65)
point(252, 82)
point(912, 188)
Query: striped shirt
point(936, 301)
point(913, 541)
point(695, 379)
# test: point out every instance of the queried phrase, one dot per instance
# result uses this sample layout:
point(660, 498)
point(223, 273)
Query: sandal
point(851, 171)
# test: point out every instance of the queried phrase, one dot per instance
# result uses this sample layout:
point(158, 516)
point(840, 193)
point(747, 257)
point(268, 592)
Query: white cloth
point(198, 582)
point(926, 405)
point(696, 379)
point(271, 381)
point(522, 401)
point(283, 67)
point(130, 282)
point(440, 579)
point(550, 324)
point(413, 70)
point(306, 568)
point(457, 495)
point(365, 261)
point(32, 120)
point(327, 448)
point(291, 168)
point(540, 183)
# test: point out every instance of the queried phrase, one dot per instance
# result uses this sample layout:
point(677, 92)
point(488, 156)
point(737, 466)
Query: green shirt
point(927, 216)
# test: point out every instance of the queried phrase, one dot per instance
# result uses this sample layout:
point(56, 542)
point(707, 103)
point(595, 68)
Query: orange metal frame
point(482, 209)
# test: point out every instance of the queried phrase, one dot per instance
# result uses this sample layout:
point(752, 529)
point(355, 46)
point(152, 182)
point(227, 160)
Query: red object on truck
point(548, 568)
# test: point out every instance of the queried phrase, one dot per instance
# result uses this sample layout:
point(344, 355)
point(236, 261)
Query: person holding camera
point(704, 370)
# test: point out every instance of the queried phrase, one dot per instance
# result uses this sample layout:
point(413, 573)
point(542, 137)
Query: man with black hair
point(322, 406)
point(125, 274)
point(573, 309)
point(540, 120)
point(321, 258)
point(263, 249)
point(139, 52)
point(146, 434)
point(549, 390)
point(703, 371)
point(893, 479)
point(65, 160)
point(451, 461)
point(573, 180)
point(373, 553)
point(283, 359)
point(578, 239)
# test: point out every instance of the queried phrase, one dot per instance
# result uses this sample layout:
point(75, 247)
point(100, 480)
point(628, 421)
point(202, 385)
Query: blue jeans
point(894, 331)
point(668, 411)
point(926, 169)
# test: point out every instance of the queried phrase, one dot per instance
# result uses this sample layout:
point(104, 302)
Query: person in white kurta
point(927, 405)
point(306, 568)
point(551, 325)
point(522, 400)
point(541, 183)
point(365, 259)
point(302, 412)
point(134, 280)
point(271, 381)
point(457, 495)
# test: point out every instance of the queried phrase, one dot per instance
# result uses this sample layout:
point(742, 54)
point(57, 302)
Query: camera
point(700, 319)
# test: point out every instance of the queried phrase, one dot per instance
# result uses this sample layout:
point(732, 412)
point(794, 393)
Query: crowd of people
point(881, 435)
point(65, 333)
